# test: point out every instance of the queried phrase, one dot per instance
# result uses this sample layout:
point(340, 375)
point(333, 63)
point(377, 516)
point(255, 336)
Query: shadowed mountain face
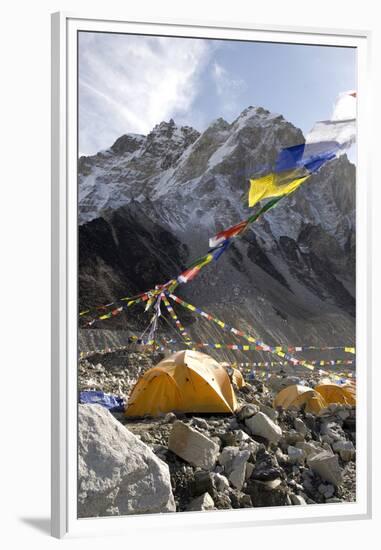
point(148, 206)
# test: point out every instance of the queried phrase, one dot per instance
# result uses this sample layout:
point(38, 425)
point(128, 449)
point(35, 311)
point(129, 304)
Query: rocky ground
point(257, 457)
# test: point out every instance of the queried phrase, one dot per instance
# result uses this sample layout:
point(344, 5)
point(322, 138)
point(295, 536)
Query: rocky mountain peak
point(128, 143)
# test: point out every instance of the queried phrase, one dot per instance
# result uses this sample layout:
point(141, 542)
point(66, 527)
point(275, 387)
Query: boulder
point(310, 448)
point(300, 426)
point(221, 482)
point(237, 476)
point(266, 468)
point(247, 411)
point(201, 503)
point(203, 482)
point(226, 458)
point(332, 431)
point(117, 473)
point(268, 411)
point(346, 449)
point(327, 466)
point(193, 446)
point(262, 425)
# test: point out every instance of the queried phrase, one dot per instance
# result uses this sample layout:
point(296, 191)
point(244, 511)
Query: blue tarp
point(111, 402)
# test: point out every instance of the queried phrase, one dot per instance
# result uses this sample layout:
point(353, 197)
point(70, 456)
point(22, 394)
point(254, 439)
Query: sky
point(129, 83)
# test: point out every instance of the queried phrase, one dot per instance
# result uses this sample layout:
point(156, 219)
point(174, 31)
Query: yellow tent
point(187, 381)
point(333, 393)
point(296, 396)
point(237, 378)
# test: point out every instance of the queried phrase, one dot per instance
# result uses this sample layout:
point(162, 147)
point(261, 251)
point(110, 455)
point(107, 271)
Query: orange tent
point(237, 378)
point(333, 393)
point(297, 396)
point(187, 381)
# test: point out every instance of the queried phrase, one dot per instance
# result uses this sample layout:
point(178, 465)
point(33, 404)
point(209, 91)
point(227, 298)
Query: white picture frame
point(64, 278)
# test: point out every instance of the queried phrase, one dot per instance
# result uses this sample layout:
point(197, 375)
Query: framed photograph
point(211, 275)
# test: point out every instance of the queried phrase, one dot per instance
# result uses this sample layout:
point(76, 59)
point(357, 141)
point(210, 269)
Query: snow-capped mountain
point(130, 168)
point(148, 205)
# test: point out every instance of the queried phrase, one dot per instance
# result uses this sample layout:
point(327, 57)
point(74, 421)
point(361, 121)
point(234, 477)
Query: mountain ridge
point(295, 263)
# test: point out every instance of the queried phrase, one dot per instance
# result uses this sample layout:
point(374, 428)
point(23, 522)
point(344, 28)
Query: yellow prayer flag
point(267, 187)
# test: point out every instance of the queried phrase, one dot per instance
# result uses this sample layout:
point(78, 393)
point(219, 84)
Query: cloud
point(228, 88)
point(345, 106)
point(130, 83)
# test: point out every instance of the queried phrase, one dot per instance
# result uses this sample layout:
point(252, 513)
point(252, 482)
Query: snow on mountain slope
point(129, 168)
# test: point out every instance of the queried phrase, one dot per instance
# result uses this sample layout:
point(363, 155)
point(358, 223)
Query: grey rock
point(247, 411)
point(262, 425)
point(333, 431)
point(310, 448)
point(245, 501)
point(202, 503)
point(292, 437)
point(295, 455)
point(203, 482)
point(193, 446)
point(226, 458)
point(228, 439)
point(269, 411)
point(327, 466)
point(267, 493)
point(200, 423)
point(281, 457)
point(253, 447)
point(117, 473)
point(237, 476)
point(297, 500)
point(326, 489)
point(343, 414)
point(300, 426)
point(232, 424)
point(266, 468)
point(169, 418)
point(275, 382)
point(249, 469)
point(346, 449)
point(222, 501)
point(221, 482)
point(242, 437)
